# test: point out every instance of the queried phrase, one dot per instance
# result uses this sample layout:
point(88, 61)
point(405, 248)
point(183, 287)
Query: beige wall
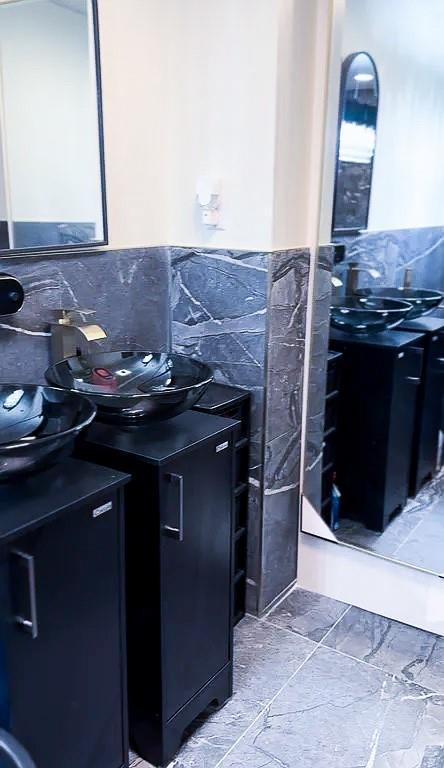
point(214, 88)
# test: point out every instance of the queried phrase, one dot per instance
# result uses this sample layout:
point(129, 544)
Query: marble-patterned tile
point(264, 659)
point(339, 712)
point(424, 546)
point(279, 543)
point(307, 613)
point(410, 653)
point(129, 290)
point(392, 251)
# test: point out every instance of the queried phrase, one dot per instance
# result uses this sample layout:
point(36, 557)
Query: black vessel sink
point(421, 300)
point(38, 426)
point(128, 387)
point(367, 314)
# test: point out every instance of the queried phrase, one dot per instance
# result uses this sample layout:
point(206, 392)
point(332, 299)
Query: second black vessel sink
point(367, 314)
point(38, 426)
point(132, 386)
point(421, 300)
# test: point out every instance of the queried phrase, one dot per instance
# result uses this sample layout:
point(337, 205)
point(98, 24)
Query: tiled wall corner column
point(244, 313)
point(287, 309)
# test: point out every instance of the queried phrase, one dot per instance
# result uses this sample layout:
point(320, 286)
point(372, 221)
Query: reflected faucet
point(353, 272)
point(408, 277)
point(72, 334)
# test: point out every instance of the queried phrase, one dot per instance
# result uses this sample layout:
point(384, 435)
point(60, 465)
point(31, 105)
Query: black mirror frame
point(51, 249)
point(344, 74)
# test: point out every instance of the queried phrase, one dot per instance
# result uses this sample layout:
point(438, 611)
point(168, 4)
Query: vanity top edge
point(426, 324)
point(393, 339)
point(44, 496)
point(159, 442)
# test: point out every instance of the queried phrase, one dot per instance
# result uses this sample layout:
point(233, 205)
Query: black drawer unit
point(381, 376)
point(235, 403)
point(330, 433)
point(179, 574)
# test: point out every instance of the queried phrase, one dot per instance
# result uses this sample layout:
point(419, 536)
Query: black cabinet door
point(429, 412)
point(406, 383)
point(64, 659)
point(196, 498)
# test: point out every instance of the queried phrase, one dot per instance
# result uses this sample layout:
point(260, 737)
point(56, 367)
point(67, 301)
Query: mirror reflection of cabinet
point(51, 147)
point(358, 114)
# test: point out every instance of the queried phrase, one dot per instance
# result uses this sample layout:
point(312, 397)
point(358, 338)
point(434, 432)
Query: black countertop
point(159, 442)
point(29, 502)
point(220, 396)
point(427, 324)
point(386, 339)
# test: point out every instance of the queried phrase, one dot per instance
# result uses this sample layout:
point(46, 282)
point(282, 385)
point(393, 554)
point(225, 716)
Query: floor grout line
point(264, 709)
point(385, 671)
point(266, 706)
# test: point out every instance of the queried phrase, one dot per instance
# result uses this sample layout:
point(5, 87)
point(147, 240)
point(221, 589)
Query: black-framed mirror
point(52, 178)
point(356, 143)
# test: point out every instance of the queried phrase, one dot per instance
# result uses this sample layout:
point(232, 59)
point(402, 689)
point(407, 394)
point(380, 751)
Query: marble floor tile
point(307, 613)
point(264, 659)
point(410, 653)
point(424, 548)
point(413, 537)
point(341, 713)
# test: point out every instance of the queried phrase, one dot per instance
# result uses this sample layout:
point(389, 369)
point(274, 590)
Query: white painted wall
point(50, 113)
point(404, 37)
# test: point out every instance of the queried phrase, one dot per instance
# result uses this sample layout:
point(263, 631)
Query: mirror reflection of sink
point(129, 386)
point(421, 300)
point(367, 314)
point(38, 426)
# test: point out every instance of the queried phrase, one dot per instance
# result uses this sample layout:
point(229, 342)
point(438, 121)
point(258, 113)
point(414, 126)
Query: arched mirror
point(358, 114)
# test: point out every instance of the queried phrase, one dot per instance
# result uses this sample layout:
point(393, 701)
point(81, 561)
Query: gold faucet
point(408, 278)
point(353, 271)
point(71, 333)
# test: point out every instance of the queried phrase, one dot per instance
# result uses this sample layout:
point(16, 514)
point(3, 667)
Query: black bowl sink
point(367, 314)
point(38, 426)
point(129, 387)
point(421, 300)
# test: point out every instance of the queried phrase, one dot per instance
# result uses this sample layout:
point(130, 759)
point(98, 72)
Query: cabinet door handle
point(29, 625)
point(176, 533)
point(414, 379)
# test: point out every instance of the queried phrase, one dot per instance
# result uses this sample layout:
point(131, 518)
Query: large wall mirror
point(374, 465)
point(51, 154)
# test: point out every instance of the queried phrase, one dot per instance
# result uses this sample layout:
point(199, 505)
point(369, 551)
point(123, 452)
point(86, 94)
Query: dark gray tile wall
point(289, 272)
point(392, 251)
point(318, 375)
point(244, 313)
point(128, 289)
point(219, 314)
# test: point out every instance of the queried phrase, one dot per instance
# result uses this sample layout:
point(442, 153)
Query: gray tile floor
point(319, 683)
point(415, 536)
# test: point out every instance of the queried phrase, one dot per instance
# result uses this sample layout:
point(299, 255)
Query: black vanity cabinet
point(430, 400)
point(62, 636)
point(179, 527)
point(381, 374)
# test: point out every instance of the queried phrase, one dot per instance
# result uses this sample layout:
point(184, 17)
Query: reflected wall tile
point(392, 251)
point(318, 375)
